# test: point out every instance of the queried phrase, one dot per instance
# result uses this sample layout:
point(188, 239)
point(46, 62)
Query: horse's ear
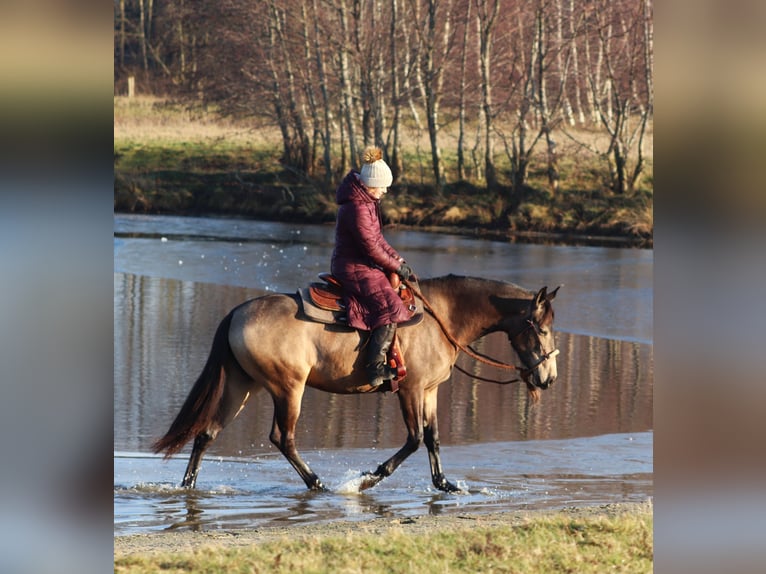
point(542, 294)
point(552, 295)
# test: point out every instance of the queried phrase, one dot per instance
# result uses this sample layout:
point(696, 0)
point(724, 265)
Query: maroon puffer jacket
point(362, 258)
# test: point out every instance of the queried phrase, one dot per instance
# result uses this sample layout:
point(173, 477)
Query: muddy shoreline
point(187, 541)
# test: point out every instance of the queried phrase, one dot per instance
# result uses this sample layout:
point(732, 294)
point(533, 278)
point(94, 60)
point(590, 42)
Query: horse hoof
point(368, 480)
point(446, 486)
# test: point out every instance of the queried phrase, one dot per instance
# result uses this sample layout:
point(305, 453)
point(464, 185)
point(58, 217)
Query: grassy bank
point(169, 159)
point(559, 542)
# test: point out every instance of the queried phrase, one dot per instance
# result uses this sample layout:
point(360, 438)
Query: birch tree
point(623, 102)
point(436, 41)
point(461, 170)
point(332, 75)
point(348, 107)
point(486, 17)
point(395, 146)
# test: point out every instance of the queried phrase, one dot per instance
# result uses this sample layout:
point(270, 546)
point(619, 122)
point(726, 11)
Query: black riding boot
point(376, 367)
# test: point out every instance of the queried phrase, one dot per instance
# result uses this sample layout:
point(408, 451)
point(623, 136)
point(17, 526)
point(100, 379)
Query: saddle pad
point(315, 313)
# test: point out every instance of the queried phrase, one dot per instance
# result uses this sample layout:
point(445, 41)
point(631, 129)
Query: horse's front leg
point(431, 440)
point(412, 410)
point(286, 413)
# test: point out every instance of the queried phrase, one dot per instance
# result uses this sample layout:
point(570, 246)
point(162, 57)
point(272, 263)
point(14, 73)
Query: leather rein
point(524, 372)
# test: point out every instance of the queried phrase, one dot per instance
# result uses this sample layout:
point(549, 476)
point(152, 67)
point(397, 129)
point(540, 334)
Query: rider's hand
point(405, 271)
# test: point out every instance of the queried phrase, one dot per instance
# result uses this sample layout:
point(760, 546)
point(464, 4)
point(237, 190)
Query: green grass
point(547, 543)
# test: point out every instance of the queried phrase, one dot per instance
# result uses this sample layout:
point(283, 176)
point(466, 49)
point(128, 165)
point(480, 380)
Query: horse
point(268, 343)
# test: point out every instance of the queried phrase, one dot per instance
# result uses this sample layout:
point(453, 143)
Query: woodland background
point(526, 106)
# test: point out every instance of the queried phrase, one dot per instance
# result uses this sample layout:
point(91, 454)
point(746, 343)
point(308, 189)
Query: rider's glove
point(405, 271)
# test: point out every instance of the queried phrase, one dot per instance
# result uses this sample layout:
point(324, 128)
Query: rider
point(362, 259)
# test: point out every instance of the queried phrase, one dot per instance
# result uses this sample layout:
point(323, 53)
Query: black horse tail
point(204, 400)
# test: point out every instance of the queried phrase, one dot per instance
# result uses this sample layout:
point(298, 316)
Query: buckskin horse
point(268, 343)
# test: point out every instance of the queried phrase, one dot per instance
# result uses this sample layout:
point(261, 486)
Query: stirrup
point(379, 379)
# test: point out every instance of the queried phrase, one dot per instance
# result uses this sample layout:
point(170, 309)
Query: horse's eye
point(543, 332)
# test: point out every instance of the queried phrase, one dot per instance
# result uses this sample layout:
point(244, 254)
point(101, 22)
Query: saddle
point(323, 302)
point(329, 295)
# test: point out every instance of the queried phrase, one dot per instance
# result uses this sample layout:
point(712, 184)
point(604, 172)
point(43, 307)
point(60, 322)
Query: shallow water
point(251, 492)
point(588, 441)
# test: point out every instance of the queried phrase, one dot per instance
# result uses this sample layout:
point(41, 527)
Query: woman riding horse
point(362, 259)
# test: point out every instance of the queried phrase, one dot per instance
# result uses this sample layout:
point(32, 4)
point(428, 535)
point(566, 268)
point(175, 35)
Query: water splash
point(352, 481)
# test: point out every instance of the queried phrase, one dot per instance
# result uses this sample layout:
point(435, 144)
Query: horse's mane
point(474, 297)
point(472, 284)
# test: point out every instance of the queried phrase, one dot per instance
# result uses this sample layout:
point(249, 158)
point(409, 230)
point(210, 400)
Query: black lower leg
point(201, 443)
point(387, 468)
point(431, 440)
point(287, 448)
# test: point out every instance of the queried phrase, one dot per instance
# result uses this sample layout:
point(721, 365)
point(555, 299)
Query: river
point(588, 441)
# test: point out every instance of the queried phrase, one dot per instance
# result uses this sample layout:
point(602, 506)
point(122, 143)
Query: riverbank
point(170, 160)
point(582, 539)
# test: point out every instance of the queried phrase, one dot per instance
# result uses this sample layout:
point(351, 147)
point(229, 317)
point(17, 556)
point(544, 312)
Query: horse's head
point(534, 343)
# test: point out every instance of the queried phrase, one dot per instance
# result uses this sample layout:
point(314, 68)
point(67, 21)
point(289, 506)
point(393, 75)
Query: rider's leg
point(376, 366)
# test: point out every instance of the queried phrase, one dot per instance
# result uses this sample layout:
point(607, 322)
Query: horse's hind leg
point(286, 413)
point(235, 397)
point(201, 442)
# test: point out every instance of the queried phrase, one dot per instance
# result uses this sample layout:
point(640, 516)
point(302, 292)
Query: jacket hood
point(352, 189)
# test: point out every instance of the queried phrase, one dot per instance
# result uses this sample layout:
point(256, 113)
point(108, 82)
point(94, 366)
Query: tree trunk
point(345, 82)
point(122, 33)
point(308, 90)
point(142, 34)
point(461, 171)
point(543, 105)
point(181, 35)
point(300, 147)
point(395, 152)
point(279, 111)
point(322, 78)
point(573, 38)
point(566, 104)
point(487, 16)
point(433, 80)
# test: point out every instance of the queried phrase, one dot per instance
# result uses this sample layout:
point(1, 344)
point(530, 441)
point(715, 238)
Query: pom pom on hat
point(375, 172)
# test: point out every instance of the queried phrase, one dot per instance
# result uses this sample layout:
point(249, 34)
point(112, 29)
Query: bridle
point(524, 372)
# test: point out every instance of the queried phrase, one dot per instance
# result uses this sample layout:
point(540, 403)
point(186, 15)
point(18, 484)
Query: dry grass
point(559, 542)
point(150, 120)
point(147, 121)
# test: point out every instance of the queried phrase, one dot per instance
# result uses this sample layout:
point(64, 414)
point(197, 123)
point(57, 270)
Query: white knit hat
point(375, 172)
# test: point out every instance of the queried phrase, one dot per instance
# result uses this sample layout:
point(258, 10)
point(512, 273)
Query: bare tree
point(436, 43)
point(334, 74)
point(486, 14)
point(530, 109)
point(395, 158)
point(623, 103)
point(326, 129)
point(122, 22)
point(345, 75)
point(461, 170)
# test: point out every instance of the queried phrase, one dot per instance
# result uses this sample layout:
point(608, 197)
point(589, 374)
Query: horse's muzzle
point(529, 373)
